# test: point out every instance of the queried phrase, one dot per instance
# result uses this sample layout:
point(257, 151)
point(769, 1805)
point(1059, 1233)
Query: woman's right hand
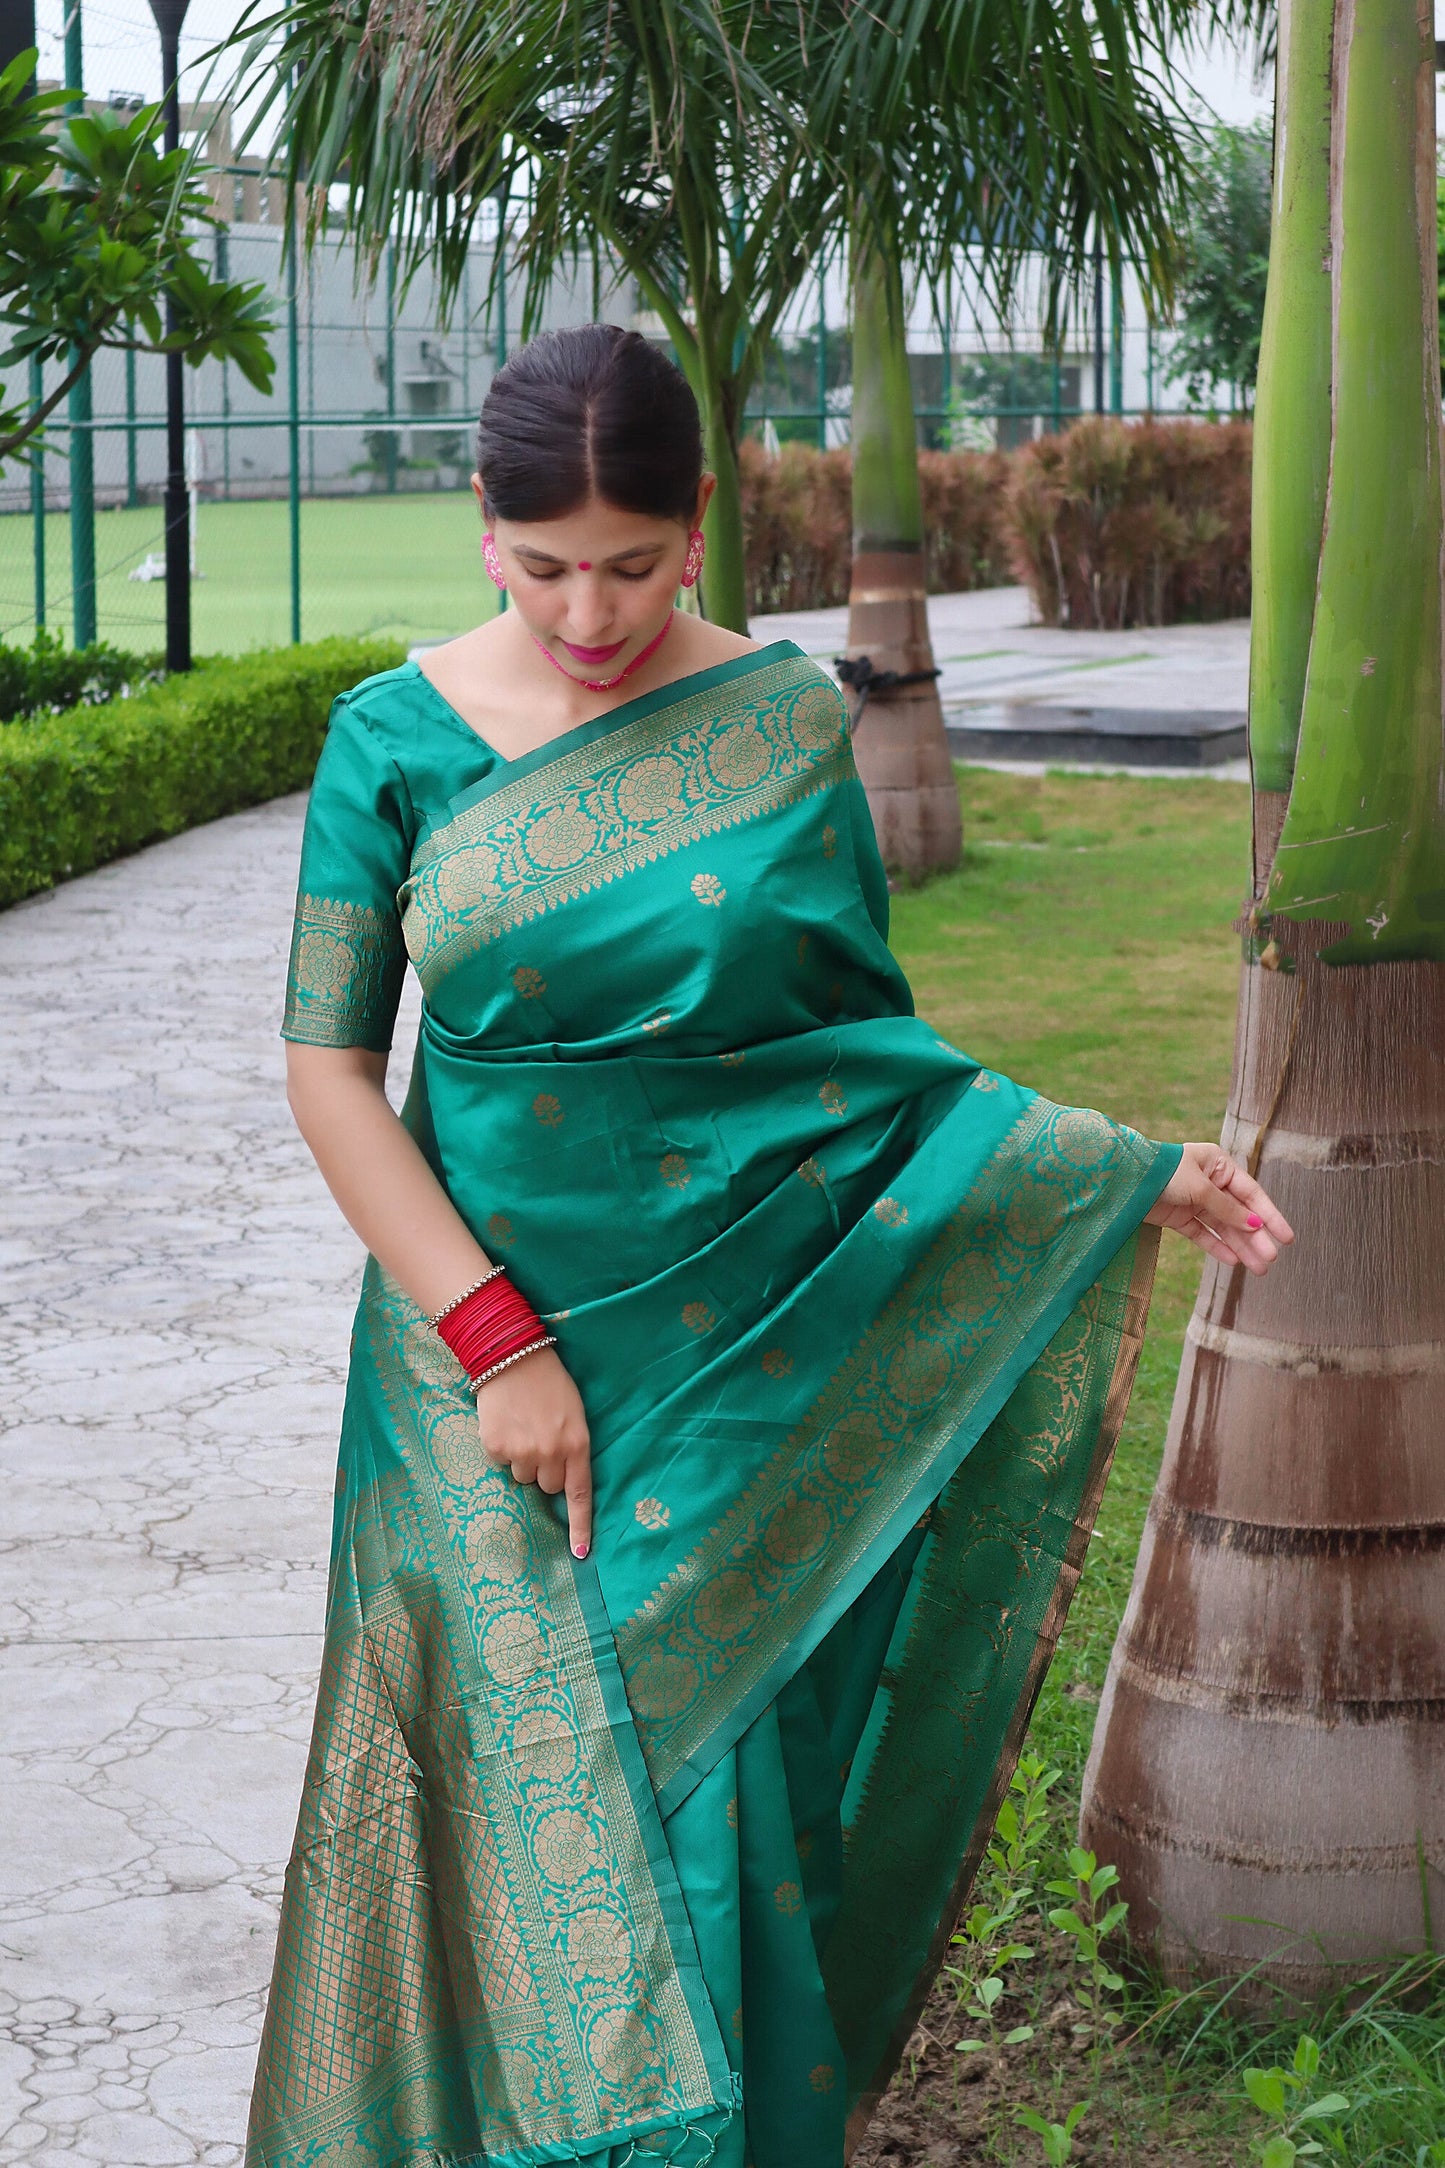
point(532, 1421)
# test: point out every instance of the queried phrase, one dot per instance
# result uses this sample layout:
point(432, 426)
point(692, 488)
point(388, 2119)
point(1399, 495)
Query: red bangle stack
point(492, 1327)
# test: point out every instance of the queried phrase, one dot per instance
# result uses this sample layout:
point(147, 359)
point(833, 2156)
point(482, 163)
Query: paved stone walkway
point(179, 1293)
point(989, 652)
point(178, 1300)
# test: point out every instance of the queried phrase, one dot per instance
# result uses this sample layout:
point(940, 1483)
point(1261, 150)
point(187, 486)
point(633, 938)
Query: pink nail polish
point(579, 1550)
point(1255, 1220)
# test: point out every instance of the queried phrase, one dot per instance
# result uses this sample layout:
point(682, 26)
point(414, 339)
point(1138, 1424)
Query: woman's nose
point(588, 610)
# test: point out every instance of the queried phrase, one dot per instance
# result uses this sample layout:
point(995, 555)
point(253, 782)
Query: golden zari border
point(347, 964)
point(946, 1753)
point(708, 1634)
point(472, 1910)
point(721, 756)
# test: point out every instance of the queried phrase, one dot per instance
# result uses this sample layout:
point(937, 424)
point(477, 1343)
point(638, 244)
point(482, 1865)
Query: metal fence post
point(1116, 340)
point(500, 268)
point(467, 332)
point(223, 271)
point(82, 443)
point(169, 16)
point(293, 430)
point(1098, 317)
point(822, 358)
point(37, 495)
point(391, 364)
point(132, 491)
point(1149, 366)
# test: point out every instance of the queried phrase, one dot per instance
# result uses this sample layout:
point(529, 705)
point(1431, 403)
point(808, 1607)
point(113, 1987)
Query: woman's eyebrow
point(544, 557)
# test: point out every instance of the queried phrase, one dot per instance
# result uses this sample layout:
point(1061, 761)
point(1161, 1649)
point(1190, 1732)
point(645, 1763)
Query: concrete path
point(177, 1301)
point(990, 652)
point(178, 1298)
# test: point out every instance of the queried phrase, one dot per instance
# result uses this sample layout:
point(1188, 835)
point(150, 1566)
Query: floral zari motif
point(702, 765)
point(347, 962)
point(704, 1637)
point(465, 1777)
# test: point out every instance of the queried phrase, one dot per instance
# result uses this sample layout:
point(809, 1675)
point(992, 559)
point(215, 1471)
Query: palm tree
point(710, 146)
point(945, 119)
point(668, 131)
point(1271, 1744)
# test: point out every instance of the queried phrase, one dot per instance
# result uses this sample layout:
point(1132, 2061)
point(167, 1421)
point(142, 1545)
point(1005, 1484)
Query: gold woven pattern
point(700, 765)
point(812, 1513)
point(470, 1877)
point(347, 964)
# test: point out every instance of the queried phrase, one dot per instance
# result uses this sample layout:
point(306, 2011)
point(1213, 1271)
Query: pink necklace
point(605, 685)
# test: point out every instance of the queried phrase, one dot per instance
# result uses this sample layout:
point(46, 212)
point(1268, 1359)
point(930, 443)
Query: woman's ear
point(705, 489)
point(479, 494)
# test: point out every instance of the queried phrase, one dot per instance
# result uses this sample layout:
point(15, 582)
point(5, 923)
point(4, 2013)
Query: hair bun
point(591, 411)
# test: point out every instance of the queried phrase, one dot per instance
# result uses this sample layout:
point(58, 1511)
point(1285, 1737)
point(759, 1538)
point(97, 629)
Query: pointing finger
point(579, 1502)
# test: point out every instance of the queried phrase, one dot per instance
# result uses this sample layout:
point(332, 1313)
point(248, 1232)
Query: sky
point(122, 53)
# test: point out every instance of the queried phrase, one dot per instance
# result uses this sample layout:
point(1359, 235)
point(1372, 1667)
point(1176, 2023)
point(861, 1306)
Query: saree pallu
point(653, 1857)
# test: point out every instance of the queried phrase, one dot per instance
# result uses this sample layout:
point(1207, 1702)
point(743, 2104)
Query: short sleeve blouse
point(348, 958)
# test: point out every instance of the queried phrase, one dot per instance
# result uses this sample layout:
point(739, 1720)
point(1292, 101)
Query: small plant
point(979, 1995)
point(1022, 1823)
point(1088, 1920)
point(988, 1933)
point(1284, 2096)
point(1057, 2139)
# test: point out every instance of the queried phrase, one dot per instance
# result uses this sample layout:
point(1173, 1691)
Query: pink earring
point(692, 563)
point(492, 562)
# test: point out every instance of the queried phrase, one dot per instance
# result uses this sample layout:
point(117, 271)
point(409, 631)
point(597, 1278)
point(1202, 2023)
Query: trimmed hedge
point(82, 788)
point(1109, 523)
point(1117, 523)
point(47, 677)
point(798, 522)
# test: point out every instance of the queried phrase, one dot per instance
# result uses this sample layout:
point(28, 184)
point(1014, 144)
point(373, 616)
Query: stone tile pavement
point(989, 652)
point(178, 1292)
point(177, 1296)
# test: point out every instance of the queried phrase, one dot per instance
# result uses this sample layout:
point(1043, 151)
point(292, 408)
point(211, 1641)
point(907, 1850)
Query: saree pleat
point(653, 1857)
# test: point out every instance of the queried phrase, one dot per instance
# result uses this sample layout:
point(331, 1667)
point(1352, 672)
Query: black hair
point(590, 411)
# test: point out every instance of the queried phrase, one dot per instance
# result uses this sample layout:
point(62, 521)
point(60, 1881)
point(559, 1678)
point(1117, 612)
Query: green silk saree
point(653, 1857)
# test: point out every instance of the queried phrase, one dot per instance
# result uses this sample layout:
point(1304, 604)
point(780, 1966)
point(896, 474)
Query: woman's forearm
point(377, 1175)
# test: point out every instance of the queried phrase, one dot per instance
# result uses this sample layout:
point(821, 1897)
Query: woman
point(838, 1325)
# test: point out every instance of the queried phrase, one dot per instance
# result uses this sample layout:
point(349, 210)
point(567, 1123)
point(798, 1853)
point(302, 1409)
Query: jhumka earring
point(692, 563)
point(493, 562)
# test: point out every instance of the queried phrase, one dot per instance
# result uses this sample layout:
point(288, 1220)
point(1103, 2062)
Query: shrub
point(1133, 523)
point(798, 519)
point(79, 789)
point(965, 500)
point(47, 676)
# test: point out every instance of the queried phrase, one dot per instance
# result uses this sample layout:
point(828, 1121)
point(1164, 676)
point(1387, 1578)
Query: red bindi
point(583, 565)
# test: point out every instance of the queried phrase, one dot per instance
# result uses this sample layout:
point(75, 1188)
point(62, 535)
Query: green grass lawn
point(1085, 946)
point(404, 566)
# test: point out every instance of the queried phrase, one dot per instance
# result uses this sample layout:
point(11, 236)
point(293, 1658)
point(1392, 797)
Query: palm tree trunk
point(1271, 1743)
point(724, 580)
point(900, 743)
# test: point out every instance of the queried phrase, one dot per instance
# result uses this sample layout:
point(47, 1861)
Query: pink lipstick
point(592, 655)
